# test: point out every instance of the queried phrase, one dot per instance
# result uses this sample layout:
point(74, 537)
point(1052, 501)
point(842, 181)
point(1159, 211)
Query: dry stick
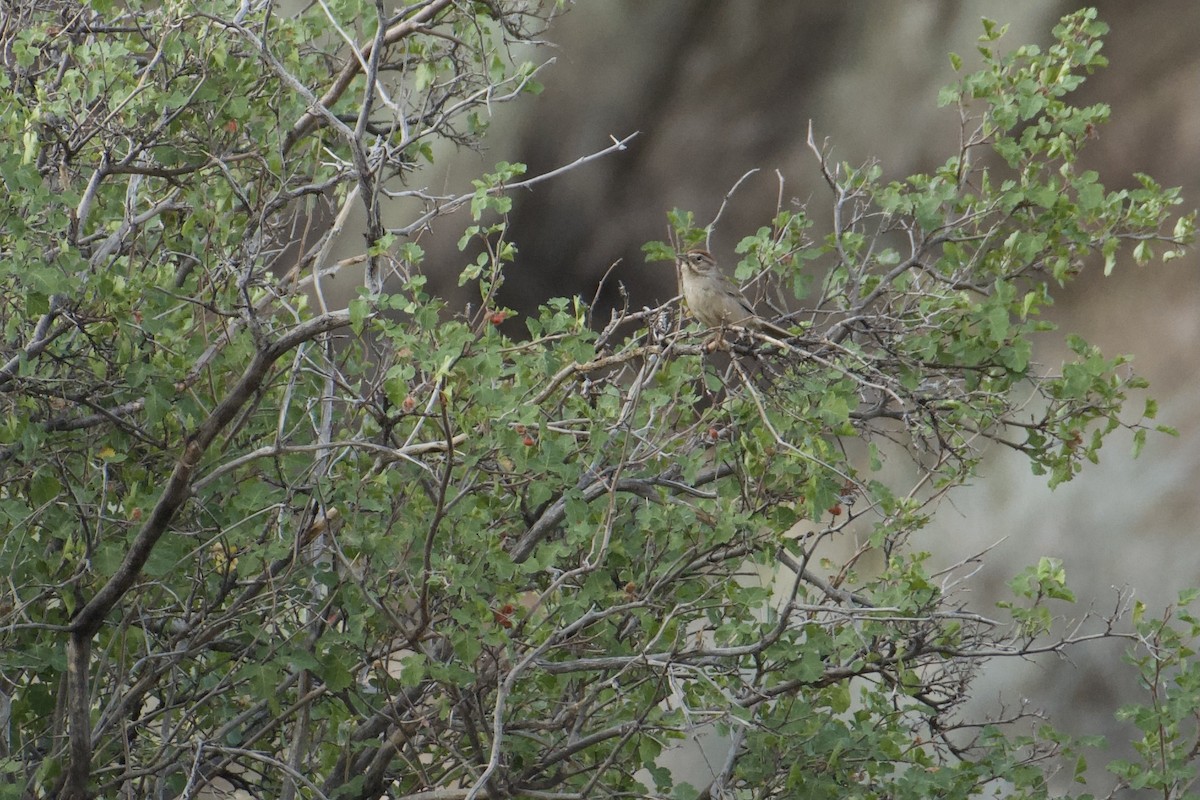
point(388, 455)
point(712, 226)
point(454, 203)
point(591, 366)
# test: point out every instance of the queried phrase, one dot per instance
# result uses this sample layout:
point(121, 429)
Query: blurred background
point(719, 88)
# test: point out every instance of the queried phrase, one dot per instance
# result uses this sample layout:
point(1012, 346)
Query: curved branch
point(353, 68)
point(90, 618)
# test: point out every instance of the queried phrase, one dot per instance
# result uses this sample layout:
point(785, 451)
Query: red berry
point(503, 615)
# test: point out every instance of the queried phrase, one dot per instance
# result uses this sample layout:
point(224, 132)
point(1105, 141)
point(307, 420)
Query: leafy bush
point(388, 549)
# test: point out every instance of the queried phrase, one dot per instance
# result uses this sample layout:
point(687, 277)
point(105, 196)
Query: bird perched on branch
point(715, 300)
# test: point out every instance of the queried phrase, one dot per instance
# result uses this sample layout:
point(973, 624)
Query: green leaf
point(44, 488)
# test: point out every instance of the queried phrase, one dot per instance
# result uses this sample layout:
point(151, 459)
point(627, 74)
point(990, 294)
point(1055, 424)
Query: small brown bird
point(714, 300)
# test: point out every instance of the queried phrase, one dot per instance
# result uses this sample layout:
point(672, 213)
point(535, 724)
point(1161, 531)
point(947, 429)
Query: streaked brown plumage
point(714, 300)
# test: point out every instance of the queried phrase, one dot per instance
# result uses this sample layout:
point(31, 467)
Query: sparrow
point(714, 300)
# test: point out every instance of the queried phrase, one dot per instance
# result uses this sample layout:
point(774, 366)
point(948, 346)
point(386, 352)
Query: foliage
point(1168, 722)
point(389, 549)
